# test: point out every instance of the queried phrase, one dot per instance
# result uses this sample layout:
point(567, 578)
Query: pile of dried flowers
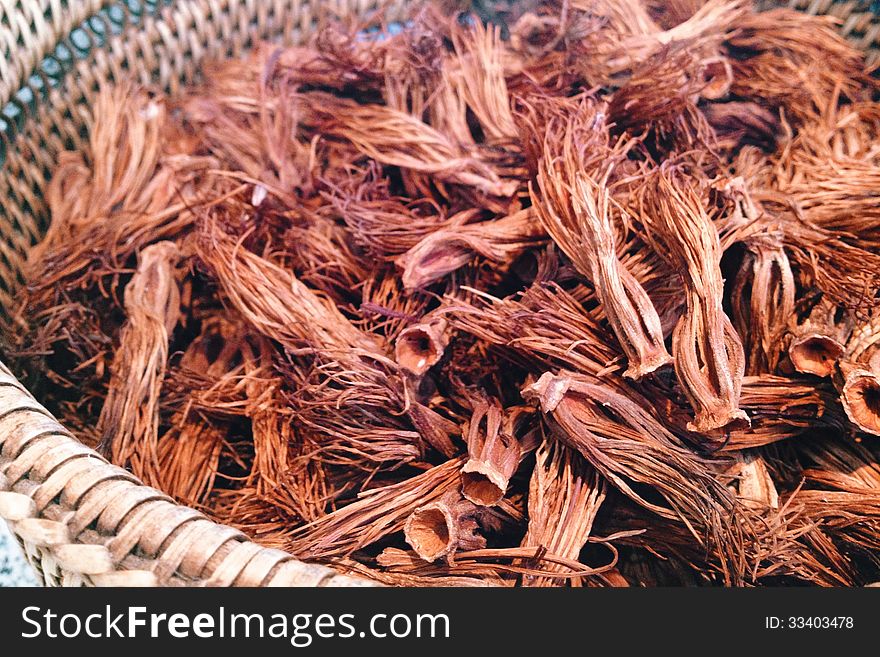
point(591, 304)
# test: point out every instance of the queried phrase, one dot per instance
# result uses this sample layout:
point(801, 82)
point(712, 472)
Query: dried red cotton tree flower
point(575, 206)
point(480, 79)
point(189, 452)
point(709, 358)
point(841, 495)
point(817, 342)
point(664, 89)
point(625, 444)
point(765, 281)
point(498, 240)
point(281, 307)
point(858, 376)
point(494, 453)
point(792, 59)
point(392, 137)
point(310, 294)
point(420, 346)
point(377, 513)
point(544, 324)
point(442, 528)
point(564, 497)
point(129, 422)
point(131, 192)
point(784, 407)
point(763, 294)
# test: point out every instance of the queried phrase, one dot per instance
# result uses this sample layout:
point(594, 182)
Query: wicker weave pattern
point(81, 520)
point(30, 30)
point(860, 20)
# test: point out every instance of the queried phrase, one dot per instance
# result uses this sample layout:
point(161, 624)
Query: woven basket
point(81, 520)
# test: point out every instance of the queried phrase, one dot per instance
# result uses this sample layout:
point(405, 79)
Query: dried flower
point(493, 453)
point(309, 294)
point(392, 137)
point(817, 342)
point(442, 252)
point(625, 444)
point(763, 292)
point(376, 514)
point(709, 359)
point(420, 346)
point(440, 529)
point(785, 407)
point(564, 498)
point(129, 422)
point(858, 377)
point(574, 205)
